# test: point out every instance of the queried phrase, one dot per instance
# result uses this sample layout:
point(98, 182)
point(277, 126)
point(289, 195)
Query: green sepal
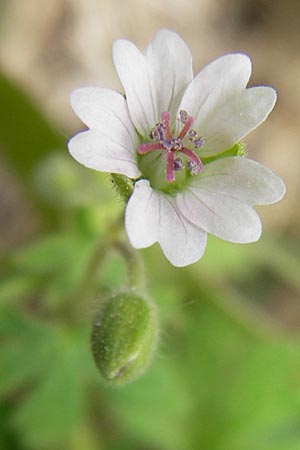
point(124, 337)
point(123, 185)
point(238, 149)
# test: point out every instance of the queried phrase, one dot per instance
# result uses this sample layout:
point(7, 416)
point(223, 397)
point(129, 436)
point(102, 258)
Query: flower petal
point(243, 179)
point(171, 62)
point(96, 151)
point(182, 242)
point(235, 118)
point(214, 84)
point(105, 110)
point(152, 216)
point(137, 79)
point(110, 144)
point(219, 214)
point(142, 215)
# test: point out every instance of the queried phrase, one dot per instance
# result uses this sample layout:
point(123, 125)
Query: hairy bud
point(124, 337)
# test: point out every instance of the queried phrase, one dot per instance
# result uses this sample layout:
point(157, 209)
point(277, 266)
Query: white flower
point(152, 135)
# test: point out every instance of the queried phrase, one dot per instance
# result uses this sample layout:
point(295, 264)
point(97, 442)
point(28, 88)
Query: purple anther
point(168, 144)
point(177, 144)
point(199, 142)
point(193, 168)
point(171, 146)
point(178, 164)
point(192, 134)
point(192, 158)
point(157, 132)
point(183, 116)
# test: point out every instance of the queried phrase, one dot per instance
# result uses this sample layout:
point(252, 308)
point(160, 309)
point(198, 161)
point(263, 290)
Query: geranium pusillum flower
point(171, 133)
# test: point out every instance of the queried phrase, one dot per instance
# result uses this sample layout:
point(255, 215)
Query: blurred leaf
point(155, 408)
point(223, 259)
point(19, 324)
point(8, 438)
point(15, 288)
point(26, 350)
point(61, 181)
point(245, 390)
point(282, 257)
point(25, 135)
point(51, 253)
point(55, 407)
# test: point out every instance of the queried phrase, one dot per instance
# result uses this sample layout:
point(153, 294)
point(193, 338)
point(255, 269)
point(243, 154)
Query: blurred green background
point(226, 375)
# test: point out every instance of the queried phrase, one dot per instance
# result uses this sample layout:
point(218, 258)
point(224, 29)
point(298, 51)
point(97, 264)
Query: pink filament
point(192, 156)
point(170, 166)
point(165, 118)
point(186, 127)
point(146, 148)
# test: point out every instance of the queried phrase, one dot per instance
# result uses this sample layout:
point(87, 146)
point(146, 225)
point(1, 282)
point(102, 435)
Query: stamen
point(157, 132)
point(193, 168)
point(170, 175)
point(199, 142)
point(177, 144)
point(178, 164)
point(188, 120)
point(168, 144)
point(197, 165)
point(172, 144)
point(192, 134)
point(146, 148)
point(165, 118)
point(183, 116)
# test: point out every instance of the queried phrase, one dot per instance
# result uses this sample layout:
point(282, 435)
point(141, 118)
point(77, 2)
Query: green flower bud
point(124, 337)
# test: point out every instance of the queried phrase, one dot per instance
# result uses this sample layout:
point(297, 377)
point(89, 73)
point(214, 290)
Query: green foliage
point(25, 136)
point(61, 390)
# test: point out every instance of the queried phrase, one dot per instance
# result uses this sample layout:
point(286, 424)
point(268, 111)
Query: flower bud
point(124, 337)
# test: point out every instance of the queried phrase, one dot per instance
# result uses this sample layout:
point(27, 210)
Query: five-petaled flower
point(170, 133)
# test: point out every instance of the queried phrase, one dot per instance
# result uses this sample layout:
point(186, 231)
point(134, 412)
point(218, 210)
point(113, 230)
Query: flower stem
point(75, 303)
point(135, 269)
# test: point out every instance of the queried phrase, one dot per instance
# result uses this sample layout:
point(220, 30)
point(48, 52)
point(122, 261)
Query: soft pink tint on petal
point(110, 145)
point(96, 151)
point(218, 81)
point(233, 120)
point(243, 179)
point(171, 63)
point(136, 77)
point(220, 215)
point(181, 241)
point(152, 216)
point(106, 111)
point(142, 215)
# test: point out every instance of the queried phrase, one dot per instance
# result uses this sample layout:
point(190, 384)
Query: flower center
point(174, 148)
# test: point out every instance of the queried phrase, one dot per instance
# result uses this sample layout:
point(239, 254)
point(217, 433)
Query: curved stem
point(74, 303)
point(135, 269)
